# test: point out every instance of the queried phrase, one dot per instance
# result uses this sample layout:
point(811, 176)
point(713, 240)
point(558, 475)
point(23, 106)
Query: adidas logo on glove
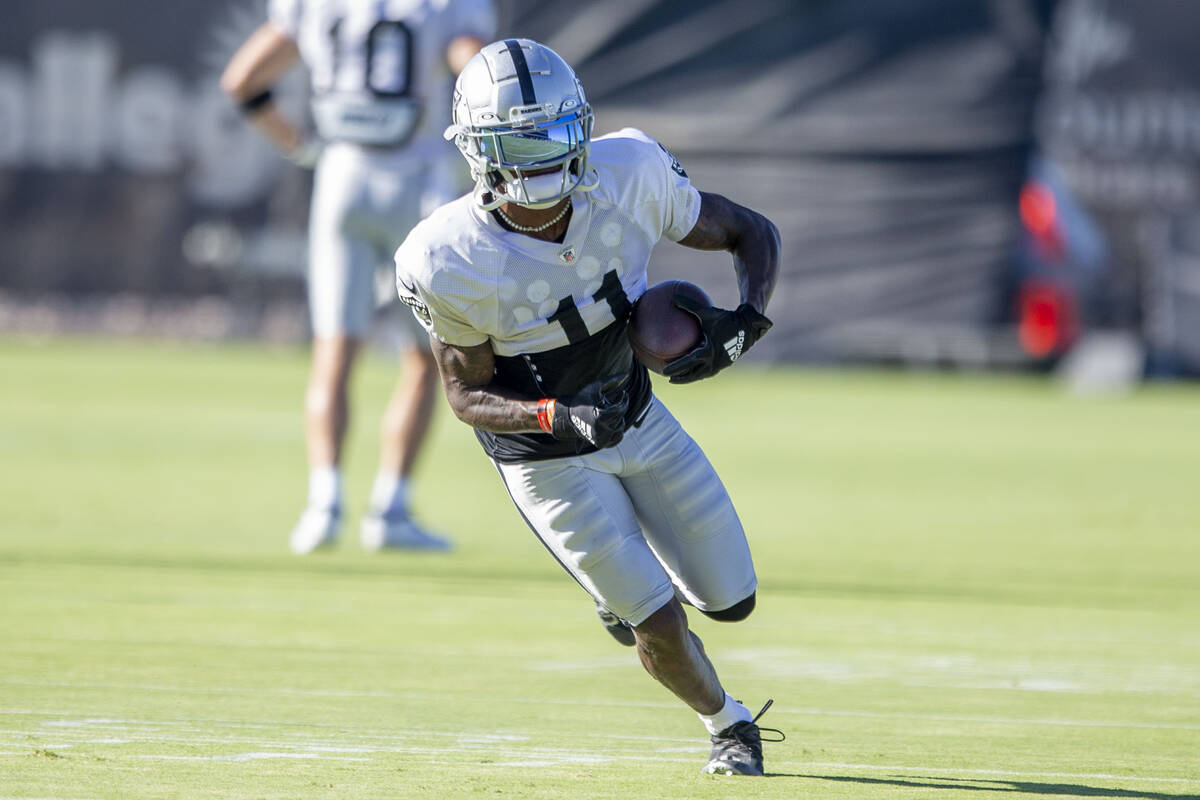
point(734, 346)
point(583, 427)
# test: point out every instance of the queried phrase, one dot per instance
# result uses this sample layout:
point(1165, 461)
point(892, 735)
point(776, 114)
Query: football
point(659, 331)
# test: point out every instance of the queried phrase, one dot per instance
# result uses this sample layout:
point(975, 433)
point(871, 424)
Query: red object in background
point(1039, 211)
point(1039, 215)
point(1049, 322)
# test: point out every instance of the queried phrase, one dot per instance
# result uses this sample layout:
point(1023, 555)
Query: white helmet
point(519, 109)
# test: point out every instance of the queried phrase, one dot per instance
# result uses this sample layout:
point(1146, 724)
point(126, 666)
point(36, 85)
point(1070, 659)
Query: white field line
point(471, 745)
point(250, 757)
point(309, 745)
point(987, 720)
point(275, 690)
point(381, 744)
point(926, 772)
point(525, 701)
point(543, 757)
point(508, 753)
point(1028, 685)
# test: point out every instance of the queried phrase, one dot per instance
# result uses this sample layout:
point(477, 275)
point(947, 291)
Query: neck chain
point(534, 228)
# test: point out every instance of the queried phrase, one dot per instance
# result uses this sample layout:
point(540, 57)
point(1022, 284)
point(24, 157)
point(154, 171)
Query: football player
point(380, 72)
point(526, 287)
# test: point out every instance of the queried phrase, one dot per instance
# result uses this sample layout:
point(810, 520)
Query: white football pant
point(636, 522)
point(364, 203)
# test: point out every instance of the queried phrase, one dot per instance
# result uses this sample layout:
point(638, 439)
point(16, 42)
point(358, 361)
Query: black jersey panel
point(561, 373)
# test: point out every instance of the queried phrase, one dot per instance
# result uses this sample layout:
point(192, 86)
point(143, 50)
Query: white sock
point(731, 712)
point(389, 493)
point(324, 488)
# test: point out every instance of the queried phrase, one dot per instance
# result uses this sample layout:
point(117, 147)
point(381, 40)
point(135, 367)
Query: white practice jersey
point(554, 313)
point(471, 281)
point(378, 67)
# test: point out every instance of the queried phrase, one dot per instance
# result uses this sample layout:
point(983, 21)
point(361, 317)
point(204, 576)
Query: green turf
point(970, 587)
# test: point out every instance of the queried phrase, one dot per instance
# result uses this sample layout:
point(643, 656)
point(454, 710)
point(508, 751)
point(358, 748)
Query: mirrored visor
point(545, 142)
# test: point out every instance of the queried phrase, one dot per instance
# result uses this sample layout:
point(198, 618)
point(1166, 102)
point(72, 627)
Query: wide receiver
point(526, 286)
point(379, 70)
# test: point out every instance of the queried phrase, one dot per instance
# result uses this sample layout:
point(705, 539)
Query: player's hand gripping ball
point(659, 330)
point(727, 335)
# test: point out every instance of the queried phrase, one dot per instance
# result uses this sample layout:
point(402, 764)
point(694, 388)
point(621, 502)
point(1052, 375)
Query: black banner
point(124, 169)
point(1121, 122)
point(886, 138)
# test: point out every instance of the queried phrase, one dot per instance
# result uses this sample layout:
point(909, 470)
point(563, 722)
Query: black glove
point(596, 414)
point(727, 334)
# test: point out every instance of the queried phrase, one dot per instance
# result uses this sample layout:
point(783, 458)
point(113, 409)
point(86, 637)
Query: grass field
point(970, 587)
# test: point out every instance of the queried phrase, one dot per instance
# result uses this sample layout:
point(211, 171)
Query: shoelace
point(754, 721)
point(749, 733)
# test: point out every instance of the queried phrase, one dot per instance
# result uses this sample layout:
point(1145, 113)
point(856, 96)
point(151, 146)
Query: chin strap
point(591, 180)
point(489, 199)
point(486, 199)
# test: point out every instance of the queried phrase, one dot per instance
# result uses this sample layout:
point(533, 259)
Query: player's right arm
point(467, 378)
point(595, 415)
point(257, 65)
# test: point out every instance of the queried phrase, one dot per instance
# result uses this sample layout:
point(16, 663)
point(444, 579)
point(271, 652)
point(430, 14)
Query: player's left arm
point(753, 240)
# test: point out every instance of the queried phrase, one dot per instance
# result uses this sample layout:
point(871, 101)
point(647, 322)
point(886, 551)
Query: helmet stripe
point(518, 56)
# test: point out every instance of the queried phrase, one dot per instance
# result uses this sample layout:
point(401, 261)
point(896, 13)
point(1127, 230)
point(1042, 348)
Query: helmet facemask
point(534, 164)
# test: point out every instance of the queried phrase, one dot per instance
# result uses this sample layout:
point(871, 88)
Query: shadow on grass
point(988, 785)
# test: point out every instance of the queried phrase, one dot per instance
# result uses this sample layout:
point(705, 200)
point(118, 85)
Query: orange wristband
point(545, 414)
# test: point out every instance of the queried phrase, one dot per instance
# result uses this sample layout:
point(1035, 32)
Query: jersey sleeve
point(652, 181)
point(681, 200)
point(285, 15)
point(436, 311)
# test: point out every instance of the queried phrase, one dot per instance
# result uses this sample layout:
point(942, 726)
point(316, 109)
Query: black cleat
point(737, 750)
point(615, 626)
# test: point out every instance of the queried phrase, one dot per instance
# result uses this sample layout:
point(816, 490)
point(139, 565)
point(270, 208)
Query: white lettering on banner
point(13, 102)
point(148, 108)
point(1126, 135)
point(72, 75)
point(72, 109)
point(1119, 125)
point(1088, 39)
point(1132, 183)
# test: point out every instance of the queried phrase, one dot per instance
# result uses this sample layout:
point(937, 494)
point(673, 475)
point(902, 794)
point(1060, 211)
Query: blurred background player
point(381, 74)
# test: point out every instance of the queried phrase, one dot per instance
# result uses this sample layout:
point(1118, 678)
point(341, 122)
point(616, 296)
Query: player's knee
point(667, 623)
point(735, 613)
point(320, 398)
